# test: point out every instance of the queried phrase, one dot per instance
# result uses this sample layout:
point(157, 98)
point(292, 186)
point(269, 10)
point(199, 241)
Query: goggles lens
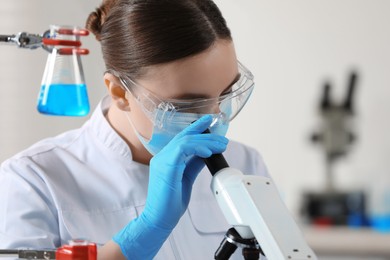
point(224, 108)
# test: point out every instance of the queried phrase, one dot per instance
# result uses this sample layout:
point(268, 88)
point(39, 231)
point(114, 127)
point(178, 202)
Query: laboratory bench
point(342, 243)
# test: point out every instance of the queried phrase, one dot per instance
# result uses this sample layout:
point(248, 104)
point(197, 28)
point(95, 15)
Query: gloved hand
point(172, 173)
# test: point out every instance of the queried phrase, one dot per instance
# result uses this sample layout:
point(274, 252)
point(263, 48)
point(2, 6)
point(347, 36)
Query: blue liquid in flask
point(63, 99)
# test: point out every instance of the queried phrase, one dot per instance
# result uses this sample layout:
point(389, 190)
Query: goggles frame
point(150, 102)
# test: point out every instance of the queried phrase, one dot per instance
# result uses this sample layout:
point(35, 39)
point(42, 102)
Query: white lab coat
point(84, 184)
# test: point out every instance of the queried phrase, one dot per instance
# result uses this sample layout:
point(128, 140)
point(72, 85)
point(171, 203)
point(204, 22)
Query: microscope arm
point(252, 205)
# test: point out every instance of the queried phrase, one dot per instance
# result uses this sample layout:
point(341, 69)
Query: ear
point(116, 91)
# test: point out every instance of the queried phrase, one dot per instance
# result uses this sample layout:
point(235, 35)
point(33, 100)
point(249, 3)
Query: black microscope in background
point(336, 135)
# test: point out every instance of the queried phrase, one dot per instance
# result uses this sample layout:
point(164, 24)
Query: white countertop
point(348, 241)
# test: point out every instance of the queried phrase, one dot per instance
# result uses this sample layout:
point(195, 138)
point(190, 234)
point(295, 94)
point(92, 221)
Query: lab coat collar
point(101, 128)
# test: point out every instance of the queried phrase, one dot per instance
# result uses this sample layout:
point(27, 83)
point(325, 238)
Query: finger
point(202, 138)
point(198, 127)
point(202, 145)
point(205, 152)
point(203, 148)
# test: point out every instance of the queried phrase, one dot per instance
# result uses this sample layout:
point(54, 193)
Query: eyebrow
point(195, 96)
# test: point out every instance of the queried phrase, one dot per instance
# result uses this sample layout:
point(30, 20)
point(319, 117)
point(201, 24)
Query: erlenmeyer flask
point(63, 89)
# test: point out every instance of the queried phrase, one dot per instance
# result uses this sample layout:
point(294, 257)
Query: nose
point(215, 109)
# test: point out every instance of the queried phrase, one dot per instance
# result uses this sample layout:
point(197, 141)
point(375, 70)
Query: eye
point(227, 91)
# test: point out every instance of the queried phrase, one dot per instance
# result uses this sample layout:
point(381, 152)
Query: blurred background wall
point(291, 47)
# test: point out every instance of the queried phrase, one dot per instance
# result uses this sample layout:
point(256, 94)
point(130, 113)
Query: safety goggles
point(166, 111)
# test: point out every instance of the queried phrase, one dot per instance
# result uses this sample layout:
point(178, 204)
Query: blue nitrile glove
point(172, 173)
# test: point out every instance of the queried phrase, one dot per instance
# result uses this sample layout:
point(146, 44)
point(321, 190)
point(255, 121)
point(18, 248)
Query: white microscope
point(261, 222)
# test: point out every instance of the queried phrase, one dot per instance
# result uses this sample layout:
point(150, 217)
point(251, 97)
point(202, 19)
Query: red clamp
point(72, 45)
point(77, 250)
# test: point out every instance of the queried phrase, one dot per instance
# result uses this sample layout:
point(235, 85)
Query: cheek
point(141, 122)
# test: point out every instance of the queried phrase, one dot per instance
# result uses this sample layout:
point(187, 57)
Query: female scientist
point(125, 178)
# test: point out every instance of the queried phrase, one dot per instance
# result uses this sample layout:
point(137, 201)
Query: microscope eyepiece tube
point(215, 162)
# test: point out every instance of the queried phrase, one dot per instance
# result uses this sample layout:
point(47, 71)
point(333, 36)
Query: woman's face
point(205, 75)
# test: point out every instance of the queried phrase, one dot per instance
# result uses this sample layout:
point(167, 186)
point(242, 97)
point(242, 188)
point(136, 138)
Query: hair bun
point(94, 23)
point(96, 19)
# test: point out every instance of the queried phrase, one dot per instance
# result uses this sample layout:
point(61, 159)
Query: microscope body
point(252, 205)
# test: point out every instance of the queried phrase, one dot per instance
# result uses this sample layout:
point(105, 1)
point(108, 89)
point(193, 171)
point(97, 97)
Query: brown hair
point(135, 34)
